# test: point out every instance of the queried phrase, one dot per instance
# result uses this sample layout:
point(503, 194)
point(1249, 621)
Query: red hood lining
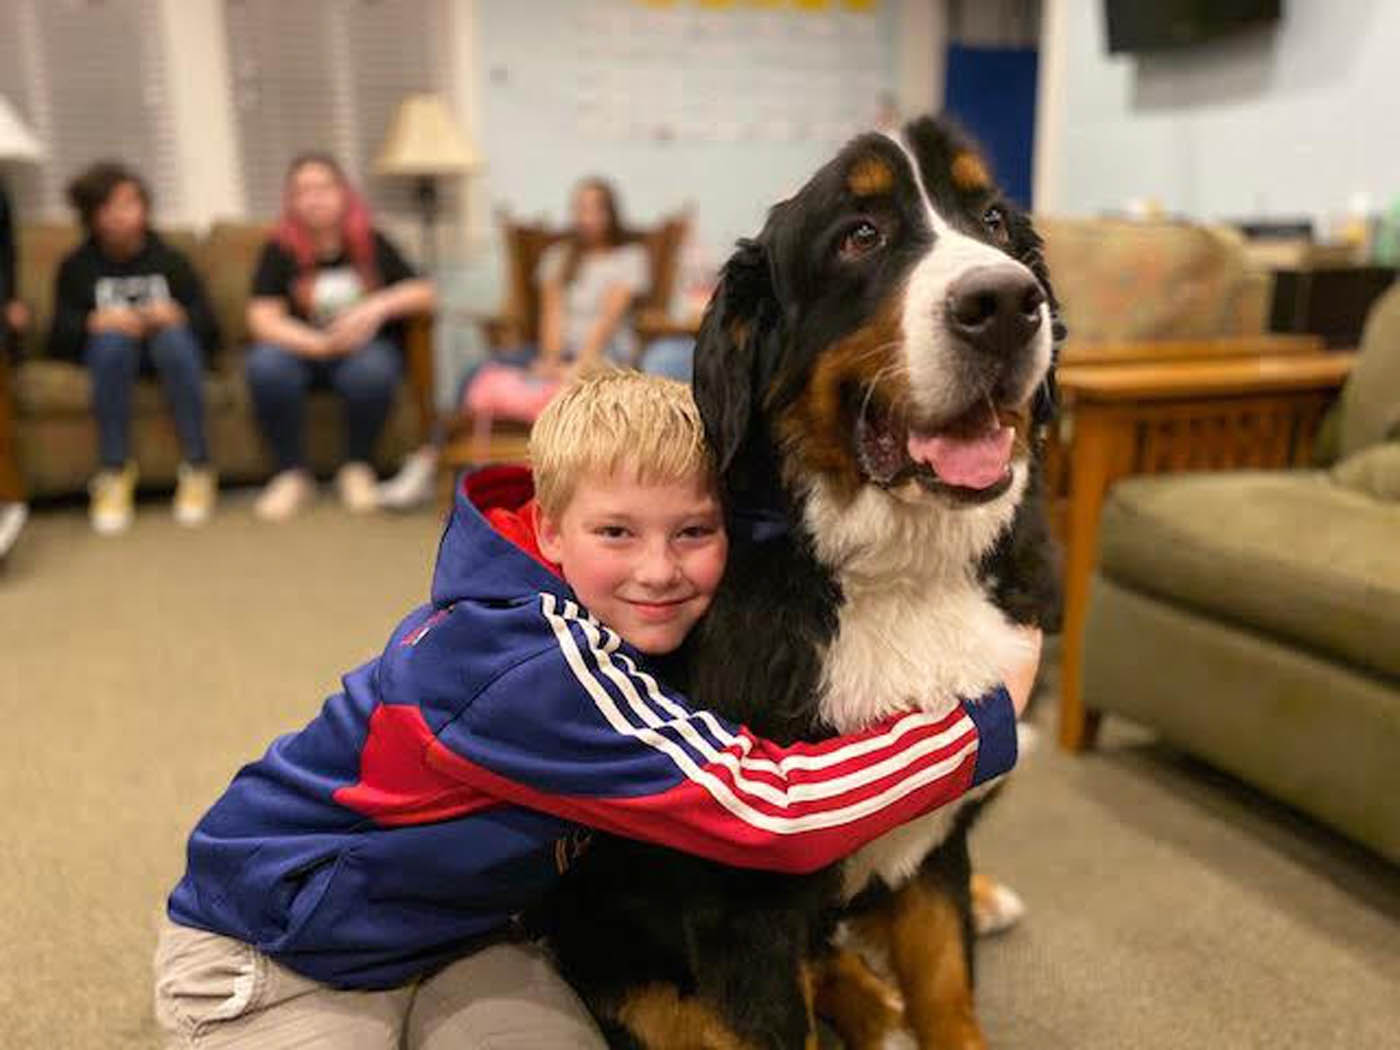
point(505, 495)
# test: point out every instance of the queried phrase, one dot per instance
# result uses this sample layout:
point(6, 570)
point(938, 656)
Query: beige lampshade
point(17, 142)
point(424, 139)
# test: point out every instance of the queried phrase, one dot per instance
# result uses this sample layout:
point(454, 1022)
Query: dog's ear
point(731, 354)
point(1030, 250)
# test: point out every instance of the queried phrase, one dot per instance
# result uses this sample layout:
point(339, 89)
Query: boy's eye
point(697, 532)
point(611, 532)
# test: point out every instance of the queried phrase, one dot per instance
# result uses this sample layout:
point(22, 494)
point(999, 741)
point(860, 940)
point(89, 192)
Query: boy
point(360, 884)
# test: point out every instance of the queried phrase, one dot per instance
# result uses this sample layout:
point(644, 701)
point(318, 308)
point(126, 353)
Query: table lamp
point(17, 142)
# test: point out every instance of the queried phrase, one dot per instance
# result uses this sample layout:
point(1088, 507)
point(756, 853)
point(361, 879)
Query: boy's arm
point(578, 731)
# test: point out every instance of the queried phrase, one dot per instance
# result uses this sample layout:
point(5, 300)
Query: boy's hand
point(1020, 680)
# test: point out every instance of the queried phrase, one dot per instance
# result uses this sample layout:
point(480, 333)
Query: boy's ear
point(547, 536)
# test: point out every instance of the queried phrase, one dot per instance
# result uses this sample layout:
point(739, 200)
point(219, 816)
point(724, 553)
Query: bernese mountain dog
point(875, 375)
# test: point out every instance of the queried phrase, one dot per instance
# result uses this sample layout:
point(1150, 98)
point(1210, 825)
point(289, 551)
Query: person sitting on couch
point(124, 302)
point(329, 295)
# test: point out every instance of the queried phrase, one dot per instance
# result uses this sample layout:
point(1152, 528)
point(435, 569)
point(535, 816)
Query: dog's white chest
point(904, 648)
point(900, 649)
point(917, 631)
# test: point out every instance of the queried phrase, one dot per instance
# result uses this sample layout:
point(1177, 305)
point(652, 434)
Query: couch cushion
point(226, 259)
point(40, 248)
point(1289, 553)
point(1374, 471)
point(60, 388)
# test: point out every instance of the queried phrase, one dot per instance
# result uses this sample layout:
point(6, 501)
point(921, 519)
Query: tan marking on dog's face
point(870, 177)
point(970, 172)
point(817, 432)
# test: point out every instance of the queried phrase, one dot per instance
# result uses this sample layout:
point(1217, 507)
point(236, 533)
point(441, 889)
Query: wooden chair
point(472, 441)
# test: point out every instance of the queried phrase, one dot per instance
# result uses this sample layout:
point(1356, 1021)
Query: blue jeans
point(279, 379)
point(114, 360)
point(671, 356)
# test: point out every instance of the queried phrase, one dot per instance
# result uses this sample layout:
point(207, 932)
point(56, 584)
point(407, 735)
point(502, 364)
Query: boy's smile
point(643, 557)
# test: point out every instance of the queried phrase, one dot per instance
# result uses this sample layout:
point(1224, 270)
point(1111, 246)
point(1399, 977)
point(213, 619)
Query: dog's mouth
point(967, 458)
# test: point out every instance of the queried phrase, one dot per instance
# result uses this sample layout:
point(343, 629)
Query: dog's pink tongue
point(977, 461)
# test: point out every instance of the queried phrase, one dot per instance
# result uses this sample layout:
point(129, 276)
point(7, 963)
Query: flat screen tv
point(1160, 25)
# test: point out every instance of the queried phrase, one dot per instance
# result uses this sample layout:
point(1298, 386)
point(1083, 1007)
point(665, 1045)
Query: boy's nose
point(658, 566)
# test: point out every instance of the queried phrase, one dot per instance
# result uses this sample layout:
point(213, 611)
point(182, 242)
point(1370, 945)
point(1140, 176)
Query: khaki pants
point(215, 992)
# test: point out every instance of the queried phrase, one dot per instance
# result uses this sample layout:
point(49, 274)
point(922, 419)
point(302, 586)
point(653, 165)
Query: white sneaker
point(12, 518)
point(196, 489)
point(284, 496)
point(356, 484)
point(412, 486)
point(111, 503)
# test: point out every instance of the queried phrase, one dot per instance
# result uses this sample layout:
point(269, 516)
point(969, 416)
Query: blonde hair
point(610, 420)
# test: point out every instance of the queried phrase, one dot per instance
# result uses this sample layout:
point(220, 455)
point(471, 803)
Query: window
point(328, 75)
point(89, 78)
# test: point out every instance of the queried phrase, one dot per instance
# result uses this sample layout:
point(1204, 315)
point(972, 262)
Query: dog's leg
point(658, 1017)
point(862, 1008)
point(930, 952)
point(751, 963)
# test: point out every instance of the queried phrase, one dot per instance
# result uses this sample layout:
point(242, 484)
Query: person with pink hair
point(329, 296)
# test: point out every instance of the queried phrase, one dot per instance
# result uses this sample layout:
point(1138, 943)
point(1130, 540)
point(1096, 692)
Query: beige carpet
point(1169, 908)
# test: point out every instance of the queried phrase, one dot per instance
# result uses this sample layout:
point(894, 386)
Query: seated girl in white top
point(588, 282)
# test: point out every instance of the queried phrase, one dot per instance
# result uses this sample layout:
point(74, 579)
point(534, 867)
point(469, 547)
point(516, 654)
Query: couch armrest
point(1221, 414)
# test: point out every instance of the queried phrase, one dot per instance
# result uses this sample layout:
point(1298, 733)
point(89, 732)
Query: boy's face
point(645, 559)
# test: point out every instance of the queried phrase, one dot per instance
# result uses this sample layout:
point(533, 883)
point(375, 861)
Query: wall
point(1282, 123)
point(534, 147)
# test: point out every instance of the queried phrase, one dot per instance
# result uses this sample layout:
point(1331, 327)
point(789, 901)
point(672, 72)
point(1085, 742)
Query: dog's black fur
point(628, 914)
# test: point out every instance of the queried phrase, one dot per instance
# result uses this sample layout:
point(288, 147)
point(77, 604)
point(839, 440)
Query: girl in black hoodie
point(127, 301)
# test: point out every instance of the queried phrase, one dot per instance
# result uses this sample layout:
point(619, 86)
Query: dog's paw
point(995, 906)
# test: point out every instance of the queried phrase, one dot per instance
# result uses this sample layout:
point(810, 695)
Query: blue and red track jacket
point(447, 786)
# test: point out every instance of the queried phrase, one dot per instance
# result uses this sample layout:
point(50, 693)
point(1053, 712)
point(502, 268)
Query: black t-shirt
point(335, 286)
point(89, 280)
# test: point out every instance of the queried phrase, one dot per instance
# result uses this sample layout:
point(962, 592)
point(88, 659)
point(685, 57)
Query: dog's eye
point(994, 220)
point(862, 239)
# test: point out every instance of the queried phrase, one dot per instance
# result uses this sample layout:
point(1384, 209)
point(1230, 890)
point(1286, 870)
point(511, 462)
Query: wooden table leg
point(1099, 455)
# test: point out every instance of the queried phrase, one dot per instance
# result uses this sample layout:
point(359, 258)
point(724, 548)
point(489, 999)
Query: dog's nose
point(996, 309)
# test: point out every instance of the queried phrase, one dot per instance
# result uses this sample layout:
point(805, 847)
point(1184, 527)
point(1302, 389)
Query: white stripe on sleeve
point(715, 787)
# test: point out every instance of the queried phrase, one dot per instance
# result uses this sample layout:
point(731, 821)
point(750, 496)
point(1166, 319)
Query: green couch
point(55, 433)
point(1253, 619)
